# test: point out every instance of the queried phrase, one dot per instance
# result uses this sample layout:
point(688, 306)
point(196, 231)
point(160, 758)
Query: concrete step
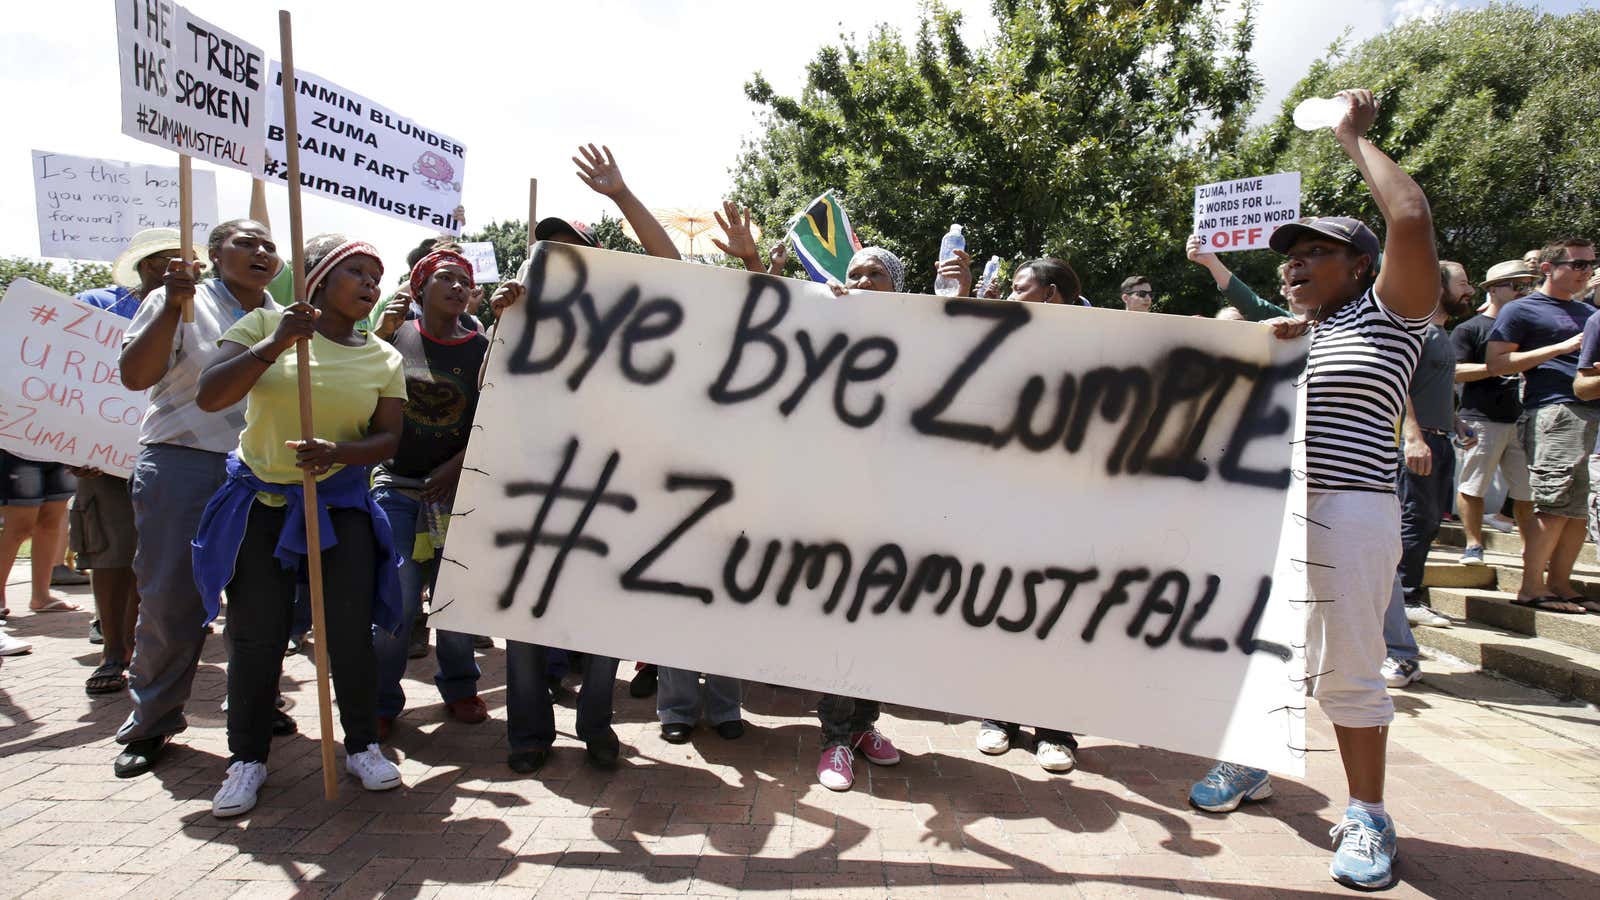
point(1540, 662)
point(1451, 535)
point(1501, 572)
point(1495, 609)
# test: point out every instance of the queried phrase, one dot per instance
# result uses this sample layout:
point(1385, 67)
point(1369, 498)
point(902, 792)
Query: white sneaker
point(1054, 757)
point(992, 740)
point(1397, 673)
point(10, 646)
point(376, 772)
point(1500, 523)
point(237, 795)
point(1417, 614)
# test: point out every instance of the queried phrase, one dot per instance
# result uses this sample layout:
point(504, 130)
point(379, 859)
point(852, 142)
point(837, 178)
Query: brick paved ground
point(1496, 790)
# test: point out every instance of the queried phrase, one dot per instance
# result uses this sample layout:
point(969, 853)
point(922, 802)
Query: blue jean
point(530, 714)
point(678, 697)
point(1424, 499)
point(1396, 630)
point(457, 677)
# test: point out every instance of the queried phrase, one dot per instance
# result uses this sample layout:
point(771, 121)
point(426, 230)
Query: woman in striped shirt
point(1366, 328)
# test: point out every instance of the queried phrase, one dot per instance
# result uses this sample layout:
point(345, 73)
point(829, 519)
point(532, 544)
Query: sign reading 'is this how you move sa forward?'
point(189, 86)
point(745, 475)
point(1242, 214)
point(90, 208)
point(61, 396)
point(355, 150)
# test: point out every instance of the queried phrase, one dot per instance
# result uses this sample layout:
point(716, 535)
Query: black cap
point(1345, 230)
point(549, 228)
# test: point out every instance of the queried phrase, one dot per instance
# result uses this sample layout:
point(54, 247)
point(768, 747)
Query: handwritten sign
point(484, 266)
point(189, 86)
point(89, 208)
point(1242, 214)
point(355, 150)
point(742, 474)
point(61, 396)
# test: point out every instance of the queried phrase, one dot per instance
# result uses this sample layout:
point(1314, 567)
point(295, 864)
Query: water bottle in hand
point(949, 287)
point(1315, 113)
point(990, 270)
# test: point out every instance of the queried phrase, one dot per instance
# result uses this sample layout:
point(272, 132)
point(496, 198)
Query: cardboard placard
point(1242, 214)
point(190, 87)
point(734, 473)
point(61, 395)
point(89, 208)
point(363, 153)
point(485, 268)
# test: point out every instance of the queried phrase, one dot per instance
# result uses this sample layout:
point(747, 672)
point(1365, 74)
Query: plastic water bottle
point(1320, 112)
point(990, 270)
point(949, 287)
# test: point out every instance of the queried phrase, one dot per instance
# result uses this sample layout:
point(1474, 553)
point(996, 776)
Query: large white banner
point(89, 208)
point(1242, 214)
point(61, 395)
point(358, 151)
point(1059, 516)
point(189, 86)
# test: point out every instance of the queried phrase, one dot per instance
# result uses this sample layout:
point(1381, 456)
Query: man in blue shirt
point(1540, 336)
point(102, 529)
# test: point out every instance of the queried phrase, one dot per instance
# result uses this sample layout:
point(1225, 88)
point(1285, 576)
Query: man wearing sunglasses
point(1540, 336)
point(1136, 293)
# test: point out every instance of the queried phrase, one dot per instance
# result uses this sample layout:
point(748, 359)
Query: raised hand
point(959, 269)
point(1359, 117)
point(506, 295)
point(777, 258)
point(598, 169)
point(1192, 249)
point(741, 244)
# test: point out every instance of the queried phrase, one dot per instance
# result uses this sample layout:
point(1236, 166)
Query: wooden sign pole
point(186, 221)
point(302, 353)
point(258, 202)
point(494, 330)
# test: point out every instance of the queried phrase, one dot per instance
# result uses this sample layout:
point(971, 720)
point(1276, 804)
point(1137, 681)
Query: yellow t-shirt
point(346, 383)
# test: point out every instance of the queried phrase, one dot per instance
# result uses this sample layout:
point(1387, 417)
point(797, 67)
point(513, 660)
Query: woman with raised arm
point(252, 541)
point(1366, 330)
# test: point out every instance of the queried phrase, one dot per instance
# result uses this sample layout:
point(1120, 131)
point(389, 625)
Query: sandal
point(1549, 603)
point(108, 678)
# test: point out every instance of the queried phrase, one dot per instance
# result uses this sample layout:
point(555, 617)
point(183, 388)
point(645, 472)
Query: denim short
point(24, 482)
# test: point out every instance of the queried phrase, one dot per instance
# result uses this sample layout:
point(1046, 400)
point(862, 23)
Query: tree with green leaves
point(1079, 131)
point(79, 276)
point(1490, 110)
point(510, 240)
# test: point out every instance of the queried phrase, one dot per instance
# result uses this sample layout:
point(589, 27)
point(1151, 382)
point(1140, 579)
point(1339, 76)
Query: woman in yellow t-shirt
point(251, 542)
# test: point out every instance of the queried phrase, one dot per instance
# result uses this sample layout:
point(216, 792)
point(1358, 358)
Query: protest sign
point(61, 396)
point(89, 208)
point(189, 86)
point(1242, 214)
point(484, 266)
point(741, 474)
point(355, 150)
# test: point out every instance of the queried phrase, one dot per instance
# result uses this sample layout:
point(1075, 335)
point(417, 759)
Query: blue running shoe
point(1228, 785)
point(1367, 849)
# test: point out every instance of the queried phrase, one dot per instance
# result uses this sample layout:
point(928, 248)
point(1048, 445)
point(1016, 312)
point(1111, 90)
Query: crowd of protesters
point(211, 515)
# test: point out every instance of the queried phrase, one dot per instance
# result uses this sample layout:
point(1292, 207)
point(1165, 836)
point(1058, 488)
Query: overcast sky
point(521, 84)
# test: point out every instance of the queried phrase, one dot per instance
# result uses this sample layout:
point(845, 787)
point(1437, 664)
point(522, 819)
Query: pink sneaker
point(836, 769)
point(875, 747)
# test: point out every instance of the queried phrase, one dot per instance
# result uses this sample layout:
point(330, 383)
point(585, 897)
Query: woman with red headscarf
point(251, 540)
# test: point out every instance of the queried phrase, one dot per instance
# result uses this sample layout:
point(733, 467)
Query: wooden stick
point(258, 202)
point(302, 353)
point(186, 221)
point(533, 207)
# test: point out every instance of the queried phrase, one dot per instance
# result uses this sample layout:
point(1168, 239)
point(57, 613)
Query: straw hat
point(125, 270)
point(1510, 270)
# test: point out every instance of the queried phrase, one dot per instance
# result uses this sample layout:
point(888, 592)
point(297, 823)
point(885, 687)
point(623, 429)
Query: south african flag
point(823, 239)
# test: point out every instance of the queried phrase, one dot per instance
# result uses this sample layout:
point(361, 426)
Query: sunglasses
point(1577, 265)
point(1141, 293)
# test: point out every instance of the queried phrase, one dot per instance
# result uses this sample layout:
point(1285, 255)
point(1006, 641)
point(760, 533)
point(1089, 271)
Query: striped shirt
point(1357, 374)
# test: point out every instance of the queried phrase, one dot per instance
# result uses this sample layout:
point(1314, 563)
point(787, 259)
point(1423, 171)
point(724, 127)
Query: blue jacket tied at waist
point(216, 544)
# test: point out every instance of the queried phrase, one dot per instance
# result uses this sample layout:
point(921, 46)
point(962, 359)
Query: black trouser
point(261, 611)
point(1424, 499)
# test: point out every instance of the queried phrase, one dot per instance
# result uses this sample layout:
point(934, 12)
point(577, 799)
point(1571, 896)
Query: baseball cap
point(549, 228)
point(1345, 230)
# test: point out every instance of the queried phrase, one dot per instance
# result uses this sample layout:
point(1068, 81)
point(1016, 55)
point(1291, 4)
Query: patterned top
point(172, 417)
point(1357, 373)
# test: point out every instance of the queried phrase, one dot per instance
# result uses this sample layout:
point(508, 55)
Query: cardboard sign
point(89, 208)
point(484, 266)
point(1059, 516)
point(189, 86)
point(355, 150)
point(1242, 214)
point(61, 396)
